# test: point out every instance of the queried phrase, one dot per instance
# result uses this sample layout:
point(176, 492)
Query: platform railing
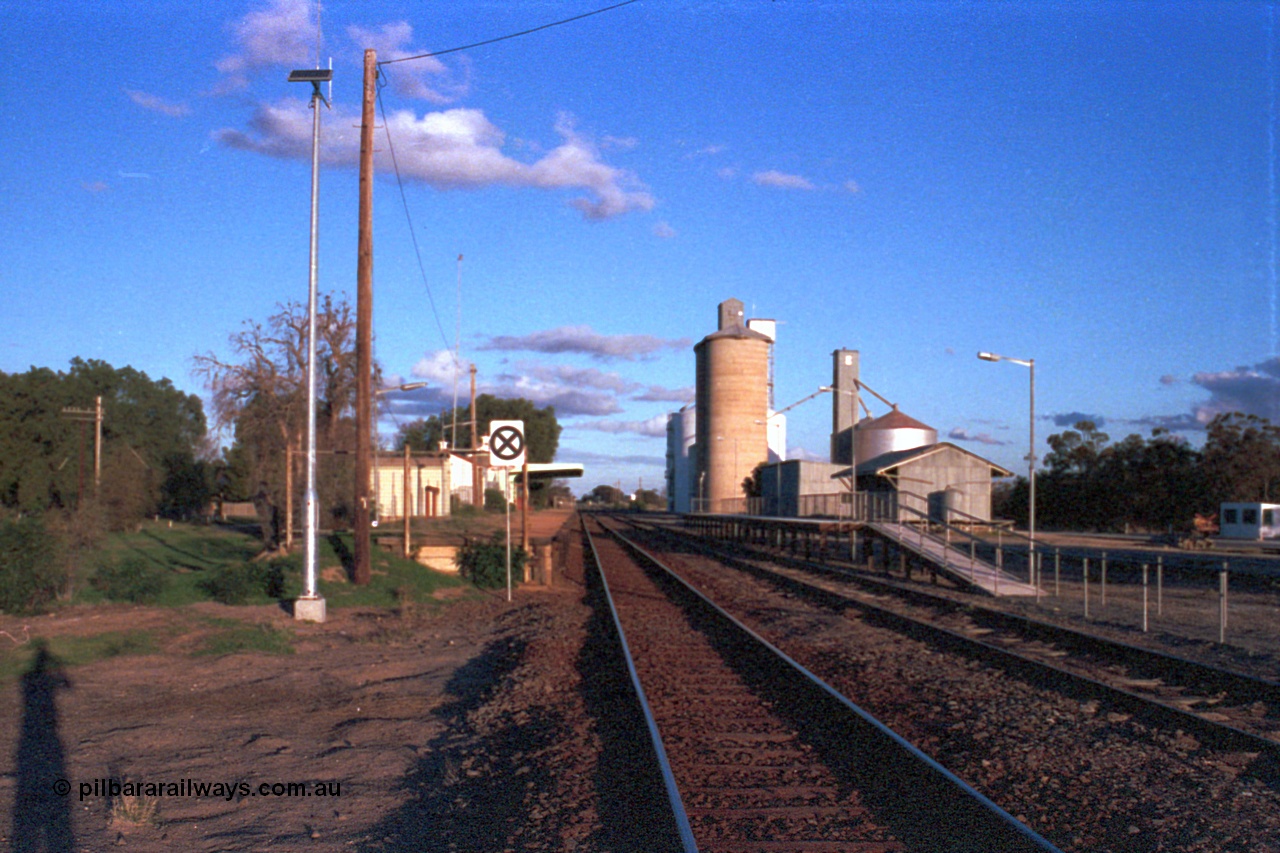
point(954, 537)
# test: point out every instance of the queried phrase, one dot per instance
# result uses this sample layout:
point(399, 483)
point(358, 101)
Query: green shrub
point(485, 563)
point(31, 568)
point(459, 509)
point(495, 500)
point(235, 583)
point(131, 579)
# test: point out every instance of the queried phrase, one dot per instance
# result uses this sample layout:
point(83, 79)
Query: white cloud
point(1252, 390)
point(567, 401)
point(618, 143)
point(449, 149)
point(410, 79)
point(658, 394)
point(282, 34)
point(664, 230)
point(584, 340)
point(781, 180)
point(959, 434)
point(654, 427)
point(441, 367)
point(157, 104)
point(588, 377)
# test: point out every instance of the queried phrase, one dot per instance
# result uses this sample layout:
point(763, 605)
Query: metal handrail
point(973, 538)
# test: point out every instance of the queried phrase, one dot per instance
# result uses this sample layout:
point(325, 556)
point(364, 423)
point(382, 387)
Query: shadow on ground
point(41, 811)
point(469, 790)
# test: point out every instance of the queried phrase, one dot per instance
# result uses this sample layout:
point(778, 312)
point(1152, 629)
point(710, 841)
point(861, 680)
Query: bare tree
point(260, 394)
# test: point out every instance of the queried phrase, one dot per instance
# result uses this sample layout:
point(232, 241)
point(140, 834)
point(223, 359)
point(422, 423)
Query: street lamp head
point(988, 356)
point(408, 386)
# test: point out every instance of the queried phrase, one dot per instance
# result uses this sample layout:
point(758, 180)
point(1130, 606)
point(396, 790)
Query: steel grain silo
point(732, 408)
point(892, 431)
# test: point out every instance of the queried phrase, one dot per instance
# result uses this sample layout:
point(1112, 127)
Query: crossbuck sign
point(506, 444)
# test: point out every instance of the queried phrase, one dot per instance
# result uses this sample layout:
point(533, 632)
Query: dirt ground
point(432, 727)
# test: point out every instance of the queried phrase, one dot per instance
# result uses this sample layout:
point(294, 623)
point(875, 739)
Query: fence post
point(1039, 568)
point(1144, 598)
point(1057, 572)
point(1160, 585)
point(1222, 603)
point(1104, 580)
point(1086, 587)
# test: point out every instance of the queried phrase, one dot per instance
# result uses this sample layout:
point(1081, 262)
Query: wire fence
point(1203, 597)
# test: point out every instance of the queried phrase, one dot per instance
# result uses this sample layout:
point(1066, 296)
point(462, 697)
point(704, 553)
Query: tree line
point(1154, 484)
point(151, 449)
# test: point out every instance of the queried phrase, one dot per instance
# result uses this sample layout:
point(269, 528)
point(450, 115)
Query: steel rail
point(1246, 687)
point(987, 821)
point(1223, 735)
point(679, 814)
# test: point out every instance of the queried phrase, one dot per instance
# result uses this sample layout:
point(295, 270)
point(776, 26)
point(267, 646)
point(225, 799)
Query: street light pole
point(1030, 364)
point(310, 606)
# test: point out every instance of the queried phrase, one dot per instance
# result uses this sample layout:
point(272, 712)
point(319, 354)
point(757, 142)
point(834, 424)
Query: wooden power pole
point(364, 326)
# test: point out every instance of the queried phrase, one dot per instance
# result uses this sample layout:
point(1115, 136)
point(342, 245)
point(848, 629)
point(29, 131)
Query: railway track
point(1042, 747)
point(758, 754)
point(1228, 709)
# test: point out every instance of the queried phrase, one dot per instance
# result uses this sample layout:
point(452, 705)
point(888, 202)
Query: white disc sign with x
point(506, 444)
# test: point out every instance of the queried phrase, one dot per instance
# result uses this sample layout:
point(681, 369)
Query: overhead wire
point(510, 35)
point(404, 200)
point(395, 165)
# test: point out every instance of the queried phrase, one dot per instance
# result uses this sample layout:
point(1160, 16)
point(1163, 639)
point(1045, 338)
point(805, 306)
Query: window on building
point(1229, 516)
point(1267, 518)
point(1250, 516)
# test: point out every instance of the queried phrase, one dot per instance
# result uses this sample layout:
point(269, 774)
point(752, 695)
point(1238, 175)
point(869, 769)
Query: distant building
point(436, 479)
point(681, 438)
point(1249, 521)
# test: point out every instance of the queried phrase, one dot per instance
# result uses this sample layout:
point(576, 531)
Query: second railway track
point(761, 756)
point(1037, 746)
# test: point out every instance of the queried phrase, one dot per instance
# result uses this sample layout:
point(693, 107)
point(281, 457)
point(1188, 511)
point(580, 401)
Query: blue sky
point(1090, 184)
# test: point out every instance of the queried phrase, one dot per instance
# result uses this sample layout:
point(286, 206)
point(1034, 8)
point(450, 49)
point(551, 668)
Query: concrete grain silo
point(732, 408)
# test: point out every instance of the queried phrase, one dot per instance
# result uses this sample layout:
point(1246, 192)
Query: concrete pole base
point(309, 609)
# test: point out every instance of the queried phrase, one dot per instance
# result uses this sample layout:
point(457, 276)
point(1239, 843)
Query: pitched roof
point(886, 462)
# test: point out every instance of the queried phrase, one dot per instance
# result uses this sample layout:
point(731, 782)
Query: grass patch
point(193, 547)
point(76, 651)
point(185, 554)
point(394, 579)
point(202, 562)
point(233, 636)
